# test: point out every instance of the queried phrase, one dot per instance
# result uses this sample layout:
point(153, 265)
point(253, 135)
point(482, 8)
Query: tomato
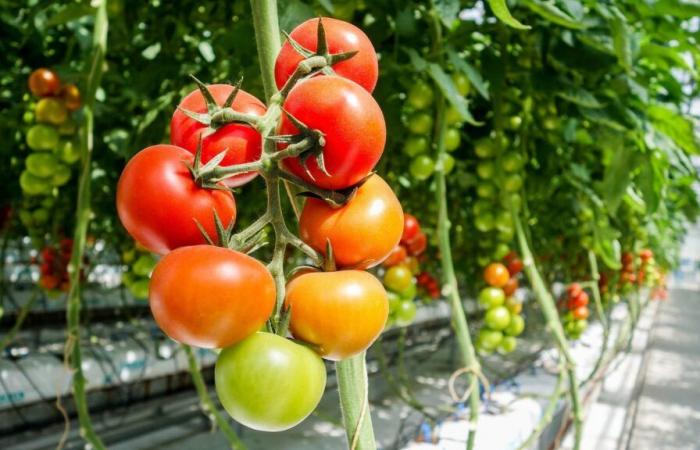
point(68, 152)
point(394, 300)
point(42, 137)
point(514, 122)
point(363, 232)
point(418, 244)
point(420, 95)
point(210, 296)
point(61, 174)
point(488, 339)
point(510, 287)
point(68, 128)
point(512, 162)
point(581, 313)
point(448, 163)
point(269, 383)
point(485, 148)
point(341, 313)
point(516, 325)
point(580, 325)
point(144, 265)
point(422, 167)
point(41, 164)
point(462, 83)
point(486, 169)
point(573, 290)
point(241, 142)
point(397, 256)
point(341, 37)
point(33, 185)
point(51, 110)
point(44, 82)
point(627, 258)
point(512, 255)
point(491, 297)
point(406, 313)
point(416, 145)
point(646, 254)
point(139, 289)
point(159, 203)
point(410, 292)
point(352, 124)
point(515, 266)
point(71, 96)
point(411, 228)
point(581, 299)
point(513, 305)
point(452, 139)
point(501, 250)
point(398, 278)
point(496, 275)
point(413, 264)
point(513, 183)
point(452, 116)
point(484, 222)
point(481, 206)
point(497, 318)
point(507, 345)
point(486, 189)
point(420, 123)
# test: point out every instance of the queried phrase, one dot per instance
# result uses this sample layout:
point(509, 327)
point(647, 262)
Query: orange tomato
point(71, 96)
point(581, 313)
point(397, 255)
point(363, 232)
point(341, 313)
point(496, 274)
point(510, 287)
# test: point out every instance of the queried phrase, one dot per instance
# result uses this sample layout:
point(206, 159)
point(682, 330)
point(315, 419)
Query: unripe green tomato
point(485, 148)
point(42, 137)
point(51, 110)
point(512, 161)
point(514, 122)
point(486, 189)
point(489, 340)
point(485, 169)
point(68, 152)
point(483, 260)
point(421, 95)
point(513, 183)
point(410, 292)
point(452, 116)
point(501, 251)
point(398, 278)
point(394, 301)
point(570, 328)
point(28, 117)
point(139, 288)
point(491, 297)
point(416, 145)
point(486, 242)
point(484, 222)
point(41, 164)
point(61, 175)
point(580, 325)
point(504, 221)
point(452, 139)
point(68, 128)
point(506, 234)
point(420, 123)
point(33, 185)
point(497, 318)
point(507, 345)
point(144, 264)
point(462, 83)
point(422, 167)
point(40, 216)
point(481, 206)
point(448, 163)
point(509, 199)
point(550, 123)
point(516, 325)
point(406, 313)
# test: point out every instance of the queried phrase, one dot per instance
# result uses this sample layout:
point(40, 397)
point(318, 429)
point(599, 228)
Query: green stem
point(21, 316)
point(600, 311)
point(207, 403)
point(267, 41)
point(83, 212)
point(354, 403)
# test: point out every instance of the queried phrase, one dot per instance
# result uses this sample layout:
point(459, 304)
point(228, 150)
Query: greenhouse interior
point(481, 234)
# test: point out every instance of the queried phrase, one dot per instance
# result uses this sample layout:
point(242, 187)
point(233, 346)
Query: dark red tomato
point(418, 244)
point(411, 227)
point(573, 290)
point(510, 256)
point(159, 203)
point(515, 266)
point(351, 121)
point(581, 313)
point(44, 82)
point(627, 259)
point(209, 296)
point(241, 142)
point(342, 37)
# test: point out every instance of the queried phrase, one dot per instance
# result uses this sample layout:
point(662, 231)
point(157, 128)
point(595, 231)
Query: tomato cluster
point(139, 266)
point(53, 267)
point(575, 308)
point(403, 276)
point(502, 317)
point(51, 139)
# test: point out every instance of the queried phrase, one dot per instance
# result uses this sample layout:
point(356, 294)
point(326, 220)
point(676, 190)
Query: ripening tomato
point(514, 306)
point(71, 96)
point(241, 142)
point(44, 82)
point(573, 290)
point(363, 232)
point(496, 275)
point(578, 300)
point(209, 296)
point(646, 254)
point(581, 313)
point(511, 286)
point(515, 266)
point(627, 259)
point(159, 203)
point(411, 228)
point(352, 124)
point(397, 256)
point(269, 383)
point(341, 313)
point(51, 110)
point(341, 37)
point(398, 278)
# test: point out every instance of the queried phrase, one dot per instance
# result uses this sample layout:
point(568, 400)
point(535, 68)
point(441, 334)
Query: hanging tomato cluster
point(628, 273)
point(502, 319)
point(323, 132)
point(53, 266)
point(575, 308)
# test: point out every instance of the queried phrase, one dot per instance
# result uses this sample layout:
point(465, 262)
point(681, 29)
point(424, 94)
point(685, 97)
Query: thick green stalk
point(354, 405)
point(267, 40)
point(207, 403)
point(21, 316)
point(83, 212)
point(600, 311)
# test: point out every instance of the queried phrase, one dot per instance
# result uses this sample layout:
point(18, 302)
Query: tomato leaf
point(500, 10)
point(552, 13)
point(618, 176)
point(580, 97)
point(474, 76)
point(417, 61)
point(675, 126)
point(449, 91)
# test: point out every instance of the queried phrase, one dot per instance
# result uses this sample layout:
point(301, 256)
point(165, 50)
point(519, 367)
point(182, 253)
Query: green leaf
point(418, 63)
point(602, 117)
point(69, 13)
point(618, 176)
point(676, 126)
point(500, 10)
point(481, 86)
point(552, 13)
point(449, 91)
point(448, 11)
point(580, 97)
point(621, 39)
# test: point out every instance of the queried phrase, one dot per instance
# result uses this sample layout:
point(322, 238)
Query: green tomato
point(398, 278)
point(504, 221)
point(269, 383)
point(507, 345)
point(514, 122)
point(406, 313)
point(41, 165)
point(516, 325)
point(489, 340)
point(484, 222)
point(497, 318)
point(416, 145)
point(422, 167)
point(144, 264)
point(452, 116)
point(410, 292)
point(502, 249)
point(485, 148)
point(486, 169)
point(421, 95)
point(509, 199)
point(462, 83)
point(394, 301)
point(420, 123)
point(506, 234)
point(580, 325)
point(570, 329)
point(68, 128)
point(68, 152)
point(513, 183)
point(550, 123)
point(452, 139)
point(42, 137)
point(491, 297)
point(486, 189)
point(512, 161)
point(139, 289)
point(61, 175)
point(483, 260)
point(33, 185)
point(28, 117)
point(448, 163)
point(481, 206)
point(51, 110)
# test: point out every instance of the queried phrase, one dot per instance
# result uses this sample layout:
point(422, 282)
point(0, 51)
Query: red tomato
point(352, 123)
point(209, 296)
point(341, 37)
point(496, 274)
point(363, 232)
point(411, 228)
point(573, 290)
point(515, 266)
point(341, 313)
point(241, 142)
point(397, 256)
point(580, 299)
point(627, 258)
point(510, 287)
point(510, 256)
point(646, 254)
point(581, 313)
point(44, 82)
point(418, 244)
point(159, 203)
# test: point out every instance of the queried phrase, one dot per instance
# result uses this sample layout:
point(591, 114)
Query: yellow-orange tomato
point(71, 96)
point(210, 297)
point(340, 312)
point(496, 274)
point(363, 232)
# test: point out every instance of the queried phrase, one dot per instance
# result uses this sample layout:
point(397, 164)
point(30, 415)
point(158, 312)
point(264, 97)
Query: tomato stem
point(601, 314)
point(354, 404)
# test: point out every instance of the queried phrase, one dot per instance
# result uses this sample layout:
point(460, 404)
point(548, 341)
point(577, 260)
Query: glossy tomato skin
point(269, 383)
point(342, 37)
point(352, 124)
point(418, 244)
point(496, 274)
point(340, 312)
point(397, 256)
point(44, 82)
point(411, 228)
point(363, 232)
point(241, 142)
point(209, 296)
point(510, 287)
point(158, 201)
